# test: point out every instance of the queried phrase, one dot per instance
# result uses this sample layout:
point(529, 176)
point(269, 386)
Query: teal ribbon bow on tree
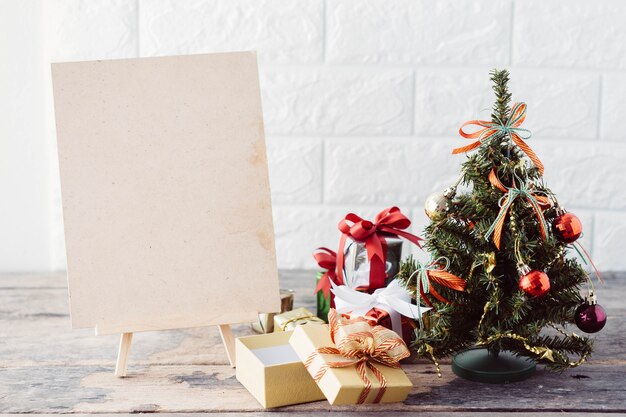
point(435, 270)
point(509, 128)
point(507, 201)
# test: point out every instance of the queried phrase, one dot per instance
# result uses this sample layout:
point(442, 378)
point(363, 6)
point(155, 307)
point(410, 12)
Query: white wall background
point(362, 102)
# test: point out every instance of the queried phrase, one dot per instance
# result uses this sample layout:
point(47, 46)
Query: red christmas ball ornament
point(590, 317)
point(567, 227)
point(535, 283)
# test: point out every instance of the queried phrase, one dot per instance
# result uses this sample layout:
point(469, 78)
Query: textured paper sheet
point(165, 190)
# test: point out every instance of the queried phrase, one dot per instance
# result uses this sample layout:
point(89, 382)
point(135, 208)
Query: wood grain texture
point(47, 368)
point(349, 414)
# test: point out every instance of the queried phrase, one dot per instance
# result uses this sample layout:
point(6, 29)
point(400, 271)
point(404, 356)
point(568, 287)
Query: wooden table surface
point(47, 368)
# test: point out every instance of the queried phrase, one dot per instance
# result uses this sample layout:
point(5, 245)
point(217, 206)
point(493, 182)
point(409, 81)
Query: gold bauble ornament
point(436, 206)
point(438, 203)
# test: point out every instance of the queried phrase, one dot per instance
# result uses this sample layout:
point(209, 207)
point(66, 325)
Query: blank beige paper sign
point(166, 198)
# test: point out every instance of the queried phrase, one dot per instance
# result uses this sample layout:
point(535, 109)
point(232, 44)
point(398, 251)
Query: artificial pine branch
point(502, 106)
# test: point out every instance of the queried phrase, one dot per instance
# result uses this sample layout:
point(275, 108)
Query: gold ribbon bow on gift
point(361, 344)
point(290, 319)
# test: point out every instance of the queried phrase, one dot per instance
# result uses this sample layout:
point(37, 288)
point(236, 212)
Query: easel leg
point(122, 355)
point(229, 342)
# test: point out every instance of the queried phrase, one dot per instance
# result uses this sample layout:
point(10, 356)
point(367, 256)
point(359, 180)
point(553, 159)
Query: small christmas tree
point(521, 291)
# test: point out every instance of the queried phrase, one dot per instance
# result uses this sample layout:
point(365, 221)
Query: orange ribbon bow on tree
point(436, 271)
point(326, 259)
point(511, 129)
point(390, 221)
point(358, 343)
point(536, 201)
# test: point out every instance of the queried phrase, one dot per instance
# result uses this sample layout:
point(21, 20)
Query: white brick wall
point(24, 222)
point(363, 99)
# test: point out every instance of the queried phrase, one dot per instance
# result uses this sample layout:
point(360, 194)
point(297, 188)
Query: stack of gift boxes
point(349, 352)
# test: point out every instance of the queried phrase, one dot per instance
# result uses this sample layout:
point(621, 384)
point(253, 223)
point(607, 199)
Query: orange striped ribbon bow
point(536, 202)
point(358, 343)
point(511, 129)
point(436, 271)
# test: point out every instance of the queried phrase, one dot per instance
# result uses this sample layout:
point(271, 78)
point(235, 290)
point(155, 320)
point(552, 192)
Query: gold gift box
point(269, 368)
point(291, 319)
point(344, 385)
point(265, 324)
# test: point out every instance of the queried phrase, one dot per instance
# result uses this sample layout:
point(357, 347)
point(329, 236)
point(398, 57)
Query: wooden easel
point(224, 138)
point(126, 339)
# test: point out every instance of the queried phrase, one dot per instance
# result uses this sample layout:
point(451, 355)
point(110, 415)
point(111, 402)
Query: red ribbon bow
point(327, 259)
point(390, 221)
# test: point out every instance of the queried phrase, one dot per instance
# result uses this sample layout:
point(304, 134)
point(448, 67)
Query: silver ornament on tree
point(437, 204)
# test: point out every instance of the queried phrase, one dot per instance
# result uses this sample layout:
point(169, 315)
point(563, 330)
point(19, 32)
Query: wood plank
point(184, 388)
point(38, 281)
point(45, 367)
point(44, 312)
point(27, 310)
point(377, 413)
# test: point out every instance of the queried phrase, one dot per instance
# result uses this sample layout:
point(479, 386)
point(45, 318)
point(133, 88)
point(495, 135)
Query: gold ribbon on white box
point(394, 299)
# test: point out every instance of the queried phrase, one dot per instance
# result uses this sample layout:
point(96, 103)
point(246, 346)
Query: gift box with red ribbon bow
point(357, 267)
point(368, 257)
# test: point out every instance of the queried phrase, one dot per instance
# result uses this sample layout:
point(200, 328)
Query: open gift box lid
point(344, 385)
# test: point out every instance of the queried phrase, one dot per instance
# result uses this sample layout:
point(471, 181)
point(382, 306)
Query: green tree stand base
point(479, 365)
